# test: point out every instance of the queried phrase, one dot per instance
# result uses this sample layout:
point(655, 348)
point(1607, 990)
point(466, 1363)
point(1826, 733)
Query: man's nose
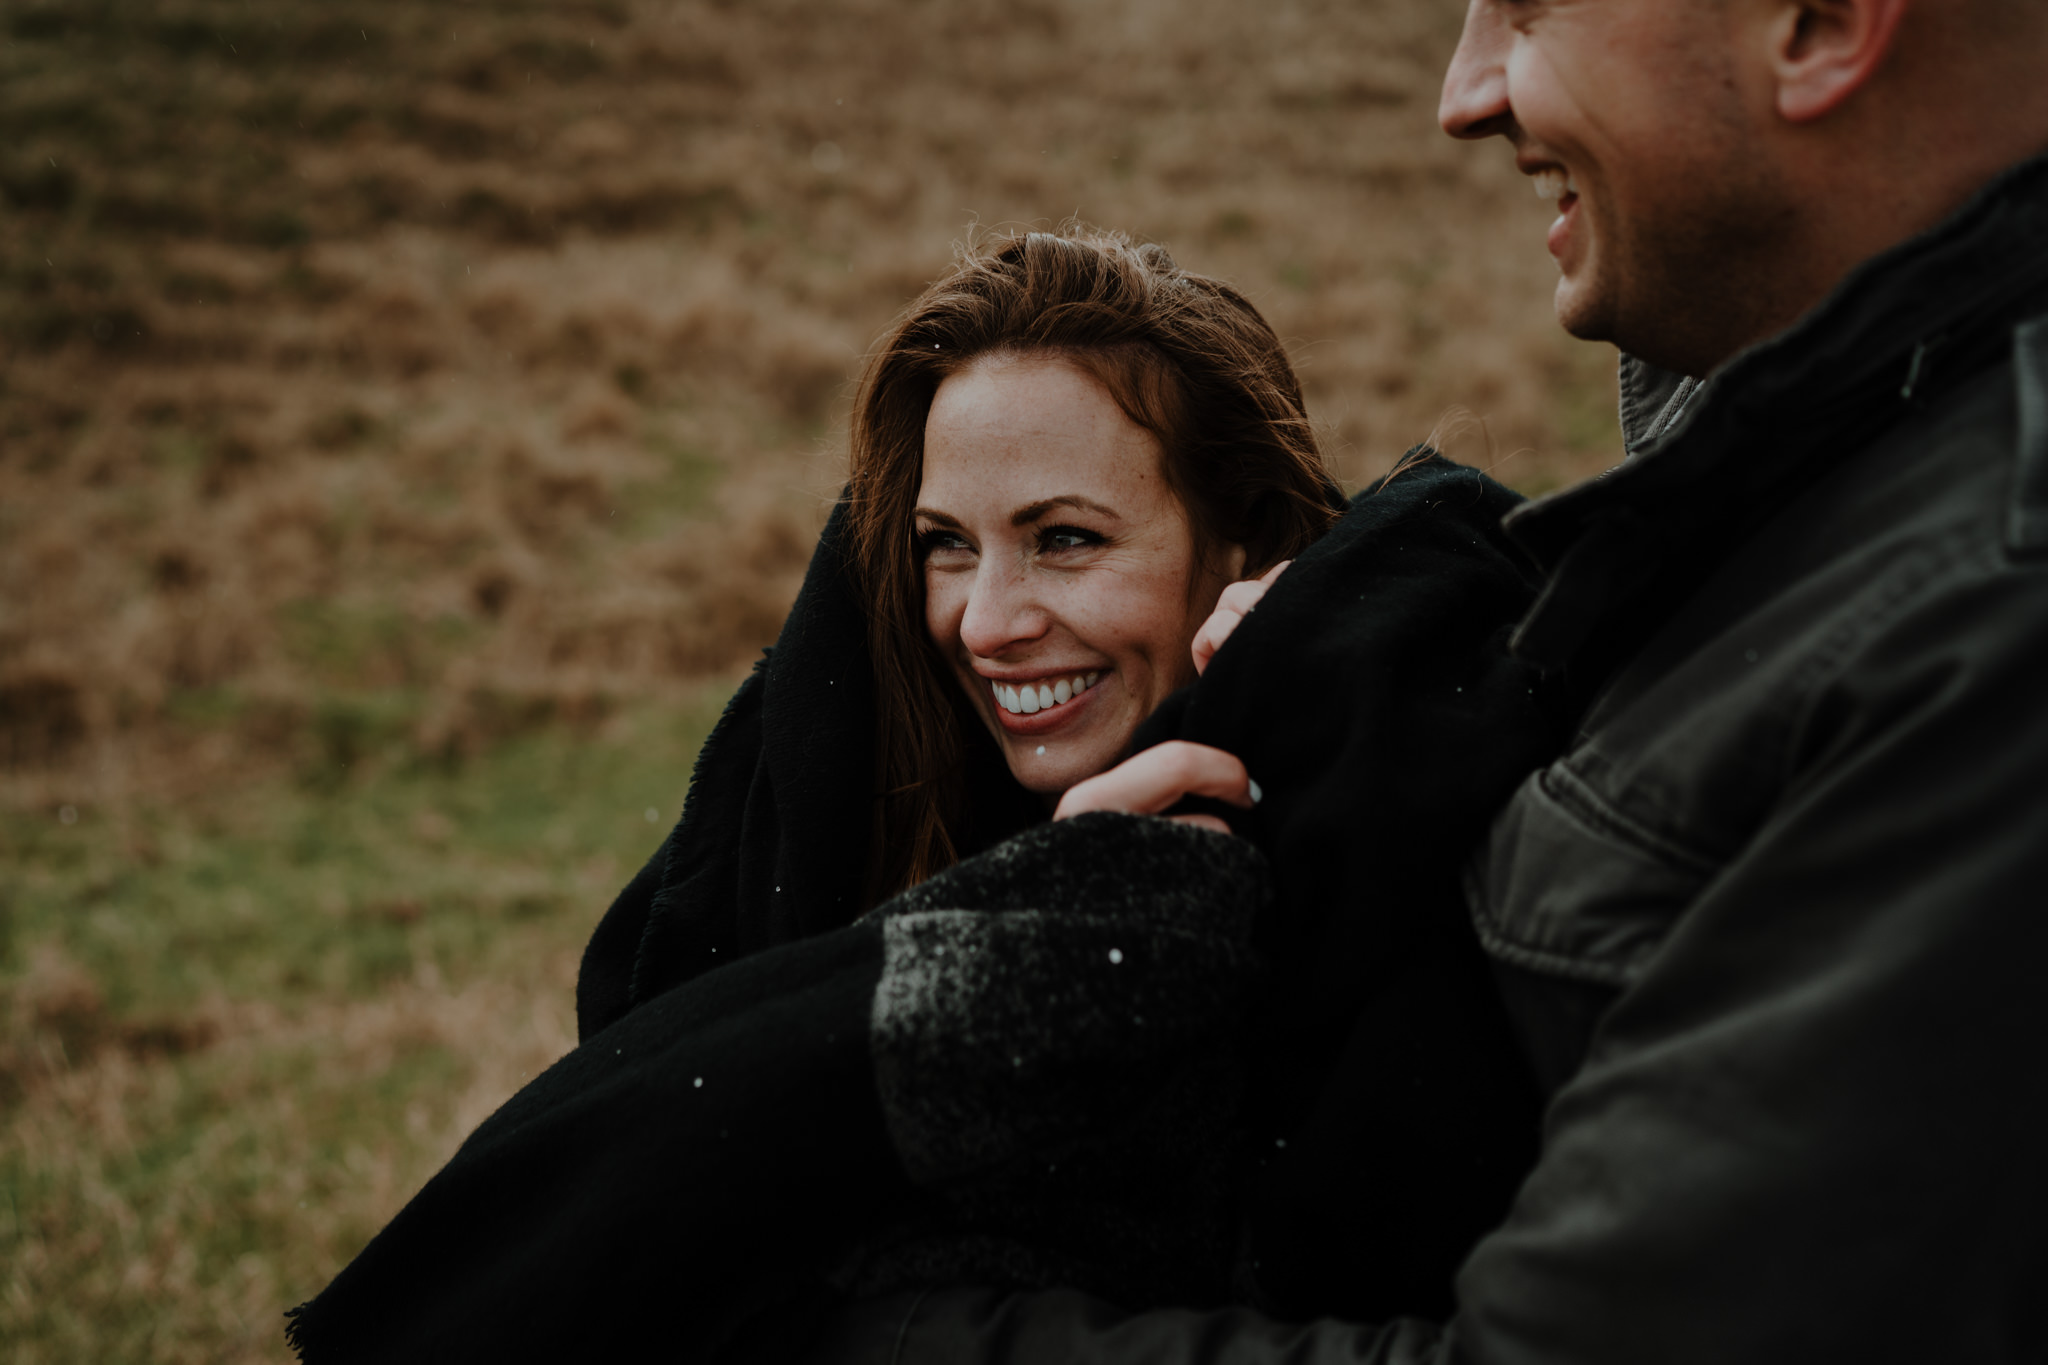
point(1474, 102)
point(1002, 611)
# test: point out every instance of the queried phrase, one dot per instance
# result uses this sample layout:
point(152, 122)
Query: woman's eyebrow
point(1031, 512)
point(936, 517)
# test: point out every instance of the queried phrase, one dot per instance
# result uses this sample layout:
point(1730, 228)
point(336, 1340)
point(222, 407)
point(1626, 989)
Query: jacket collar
point(1652, 401)
point(1704, 457)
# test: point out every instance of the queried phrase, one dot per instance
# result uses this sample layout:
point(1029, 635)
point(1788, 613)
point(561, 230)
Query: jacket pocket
point(1566, 885)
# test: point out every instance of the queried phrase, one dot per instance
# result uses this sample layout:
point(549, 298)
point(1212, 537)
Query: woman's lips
point(1039, 705)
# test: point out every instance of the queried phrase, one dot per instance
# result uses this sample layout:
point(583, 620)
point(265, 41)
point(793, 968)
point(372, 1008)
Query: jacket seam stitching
point(1497, 944)
point(1578, 797)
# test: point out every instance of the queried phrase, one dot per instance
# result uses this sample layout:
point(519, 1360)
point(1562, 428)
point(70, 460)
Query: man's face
point(1634, 116)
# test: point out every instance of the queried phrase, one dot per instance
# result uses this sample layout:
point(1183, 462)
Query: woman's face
point(1061, 580)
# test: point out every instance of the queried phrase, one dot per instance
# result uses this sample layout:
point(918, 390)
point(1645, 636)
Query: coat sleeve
point(1813, 1128)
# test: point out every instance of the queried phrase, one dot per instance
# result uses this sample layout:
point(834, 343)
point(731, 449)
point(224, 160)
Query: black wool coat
point(1165, 1065)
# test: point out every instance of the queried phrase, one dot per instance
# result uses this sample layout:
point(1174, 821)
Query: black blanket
point(616, 1204)
point(1372, 697)
point(1003, 1093)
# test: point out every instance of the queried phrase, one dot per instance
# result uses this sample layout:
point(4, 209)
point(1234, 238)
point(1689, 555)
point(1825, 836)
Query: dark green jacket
point(1775, 928)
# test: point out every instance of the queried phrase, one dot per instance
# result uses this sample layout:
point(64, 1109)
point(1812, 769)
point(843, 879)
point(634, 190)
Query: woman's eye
point(1067, 538)
point(939, 542)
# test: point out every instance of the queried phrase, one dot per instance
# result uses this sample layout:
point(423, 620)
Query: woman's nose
point(1002, 611)
point(1474, 102)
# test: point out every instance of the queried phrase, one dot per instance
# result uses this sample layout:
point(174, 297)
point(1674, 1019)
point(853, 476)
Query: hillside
point(396, 371)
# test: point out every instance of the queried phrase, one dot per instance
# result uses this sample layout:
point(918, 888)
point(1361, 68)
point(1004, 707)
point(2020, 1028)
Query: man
point(1774, 925)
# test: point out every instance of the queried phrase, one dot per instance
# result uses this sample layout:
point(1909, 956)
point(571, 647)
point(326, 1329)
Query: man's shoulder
point(1945, 503)
point(1883, 605)
point(1960, 489)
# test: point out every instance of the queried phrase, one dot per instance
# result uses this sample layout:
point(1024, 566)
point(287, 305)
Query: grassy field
point(412, 415)
point(243, 1029)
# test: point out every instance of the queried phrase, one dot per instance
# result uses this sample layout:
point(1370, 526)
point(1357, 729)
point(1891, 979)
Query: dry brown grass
point(180, 1204)
point(489, 353)
point(379, 380)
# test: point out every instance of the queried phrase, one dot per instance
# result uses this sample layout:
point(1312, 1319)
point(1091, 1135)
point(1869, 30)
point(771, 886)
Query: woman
point(1045, 368)
point(1076, 1054)
point(1180, 410)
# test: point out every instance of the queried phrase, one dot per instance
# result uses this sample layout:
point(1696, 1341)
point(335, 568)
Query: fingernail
point(1253, 787)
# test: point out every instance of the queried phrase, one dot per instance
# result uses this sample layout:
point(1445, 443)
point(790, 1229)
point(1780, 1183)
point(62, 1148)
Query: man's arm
point(1813, 1129)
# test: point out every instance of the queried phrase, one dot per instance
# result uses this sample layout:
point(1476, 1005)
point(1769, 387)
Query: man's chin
point(1582, 311)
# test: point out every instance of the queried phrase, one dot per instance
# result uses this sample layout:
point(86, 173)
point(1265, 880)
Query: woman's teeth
point(1553, 182)
point(1031, 698)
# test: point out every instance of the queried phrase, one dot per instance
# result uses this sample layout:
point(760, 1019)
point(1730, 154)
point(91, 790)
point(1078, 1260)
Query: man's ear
point(1823, 51)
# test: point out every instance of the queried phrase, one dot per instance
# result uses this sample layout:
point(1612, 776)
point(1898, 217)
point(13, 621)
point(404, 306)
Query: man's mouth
point(1025, 699)
point(1554, 182)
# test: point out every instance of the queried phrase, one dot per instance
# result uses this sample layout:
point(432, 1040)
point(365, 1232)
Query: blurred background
point(415, 416)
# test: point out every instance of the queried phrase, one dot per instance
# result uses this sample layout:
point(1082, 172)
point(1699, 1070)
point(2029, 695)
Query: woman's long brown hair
point(1185, 357)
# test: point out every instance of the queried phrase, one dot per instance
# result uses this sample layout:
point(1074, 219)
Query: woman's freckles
point(1059, 567)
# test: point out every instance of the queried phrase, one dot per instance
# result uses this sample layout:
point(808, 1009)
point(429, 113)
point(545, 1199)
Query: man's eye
point(1067, 538)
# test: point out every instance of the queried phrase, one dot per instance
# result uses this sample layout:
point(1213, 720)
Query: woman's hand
point(1233, 606)
point(1150, 782)
point(1158, 778)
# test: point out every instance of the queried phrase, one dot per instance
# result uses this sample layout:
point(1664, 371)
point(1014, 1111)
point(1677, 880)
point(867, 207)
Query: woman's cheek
point(943, 607)
point(1158, 625)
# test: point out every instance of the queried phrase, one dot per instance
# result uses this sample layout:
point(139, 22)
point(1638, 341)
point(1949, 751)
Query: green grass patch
point(280, 888)
point(242, 1028)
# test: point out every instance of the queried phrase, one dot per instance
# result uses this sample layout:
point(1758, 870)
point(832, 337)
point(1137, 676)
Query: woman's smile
point(1037, 706)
